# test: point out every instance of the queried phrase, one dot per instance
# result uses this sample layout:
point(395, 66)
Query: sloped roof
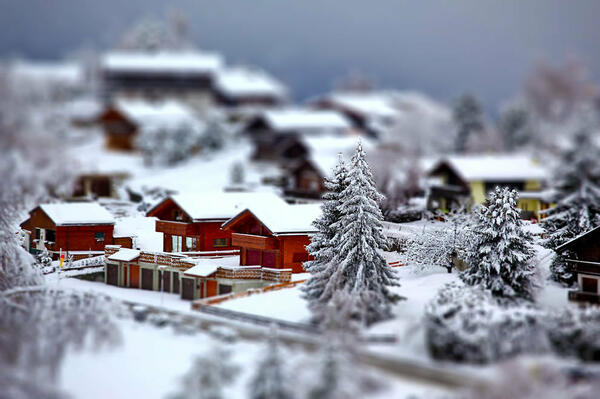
point(221, 205)
point(285, 218)
point(241, 82)
point(76, 213)
point(368, 104)
point(573, 240)
point(304, 119)
point(494, 167)
point(163, 62)
point(145, 112)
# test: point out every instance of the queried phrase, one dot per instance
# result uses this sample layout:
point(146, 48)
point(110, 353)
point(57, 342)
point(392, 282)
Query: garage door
point(147, 279)
point(175, 282)
point(166, 281)
point(187, 288)
point(112, 274)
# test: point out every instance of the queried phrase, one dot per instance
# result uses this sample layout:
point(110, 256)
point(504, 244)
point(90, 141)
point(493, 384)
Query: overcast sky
point(440, 47)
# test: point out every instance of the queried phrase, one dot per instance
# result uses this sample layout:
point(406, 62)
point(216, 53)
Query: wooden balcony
point(582, 266)
point(254, 241)
point(581, 296)
point(175, 228)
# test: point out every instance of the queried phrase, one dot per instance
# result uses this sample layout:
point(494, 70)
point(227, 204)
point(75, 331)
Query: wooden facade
point(183, 234)
point(304, 180)
point(260, 247)
point(584, 255)
point(43, 232)
point(119, 131)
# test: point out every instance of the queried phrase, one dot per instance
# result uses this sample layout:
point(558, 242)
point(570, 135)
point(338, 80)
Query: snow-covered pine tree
point(358, 266)
point(322, 246)
point(269, 381)
point(468, 119)
point(576, 193)
point(500, 257)
point(209, 374)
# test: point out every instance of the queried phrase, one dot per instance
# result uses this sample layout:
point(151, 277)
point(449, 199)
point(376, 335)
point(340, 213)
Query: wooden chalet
point(246, 87)
point(123, 119)
point(368, 111)
point(273, 237)
point(584, 255)
point(184, 75)
point(192, 223)
point(78, 229)
point(297, 121)
point(467, 180)
point(304, 179)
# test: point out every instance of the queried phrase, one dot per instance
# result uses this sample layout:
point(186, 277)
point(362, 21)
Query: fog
point(439, 47)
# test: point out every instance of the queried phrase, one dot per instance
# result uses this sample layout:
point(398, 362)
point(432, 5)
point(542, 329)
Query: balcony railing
point(174, 228)
point(253, 241)
point(580, 296)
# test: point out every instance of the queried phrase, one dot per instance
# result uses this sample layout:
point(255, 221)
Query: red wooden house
point(192, 223)
point(79, 229)
point(273, 237)
point(584, 255)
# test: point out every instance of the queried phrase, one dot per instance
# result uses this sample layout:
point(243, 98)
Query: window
point(176, 243)
point(589, 285)
point(300, 257)
point(99, 236)
point(190, 243)
point(224, 289)
point(220, 242)
point(177, 215)
point(50, 235)
point(38, 233)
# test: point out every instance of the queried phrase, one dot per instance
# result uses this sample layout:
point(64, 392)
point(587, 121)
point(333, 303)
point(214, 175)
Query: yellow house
point(468, 179)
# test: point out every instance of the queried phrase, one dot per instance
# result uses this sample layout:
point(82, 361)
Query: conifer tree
point(501, 252)
point(468, 118)
point(358, 266)
point(576, 193)
point(322, 247)
point(269, 381)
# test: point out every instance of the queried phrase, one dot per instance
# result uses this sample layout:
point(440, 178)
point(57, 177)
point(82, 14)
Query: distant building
point(585, 251)
point(123, 119)
point(78, 229)
point(187, 76)
point(248, 87)
point(467, 180)
point(192, 223)
point(368, 111)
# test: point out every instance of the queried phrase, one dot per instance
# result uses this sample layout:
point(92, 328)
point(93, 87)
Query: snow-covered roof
point(573, 240)
point(495, 167)
point(143, 229)
point(48, 71)
point(204, 267)
point(125, 255)
point(169, 112)
point(324, 149)
point(242, 82)
point(287, 218)
point(221, 205)
point(75, 213)
point(368, 104)
point(169, 62)
point(305, 119)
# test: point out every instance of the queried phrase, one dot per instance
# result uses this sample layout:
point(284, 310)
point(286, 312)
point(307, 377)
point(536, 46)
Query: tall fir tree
point(322, 246)
point(358, 266)
point(269, 382)
point(501, 253)
point(576, 193)
point(468, 118)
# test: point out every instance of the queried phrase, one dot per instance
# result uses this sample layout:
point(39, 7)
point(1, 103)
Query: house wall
point(293, 252)
point(478, 192)
point(69, 238)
